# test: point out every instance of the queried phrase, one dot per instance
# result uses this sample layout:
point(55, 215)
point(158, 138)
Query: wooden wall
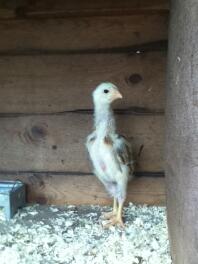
point(52, 55)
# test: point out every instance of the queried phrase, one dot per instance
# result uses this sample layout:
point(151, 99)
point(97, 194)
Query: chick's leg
point(109, 215)
point(115, 206)
point(117, 219)
point(119, 198)
point(119, 214)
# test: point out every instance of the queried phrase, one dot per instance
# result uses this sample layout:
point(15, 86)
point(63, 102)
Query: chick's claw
point(114, 221)
point(108, 215)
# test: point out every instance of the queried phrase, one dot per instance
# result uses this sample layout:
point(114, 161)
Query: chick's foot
point(108, 215)
point(114, 221)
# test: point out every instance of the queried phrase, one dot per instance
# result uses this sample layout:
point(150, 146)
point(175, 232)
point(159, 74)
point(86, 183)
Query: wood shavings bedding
point(49, 234)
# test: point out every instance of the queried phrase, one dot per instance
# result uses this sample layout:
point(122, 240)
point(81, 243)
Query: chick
point(110, 153)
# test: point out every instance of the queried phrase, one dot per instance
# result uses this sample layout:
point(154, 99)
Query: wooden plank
point(6, 13)
point(45, 84)
point(65, 189)
point(56, 143)
point(88, 4)
point(181, 153)
point(82, 33)
point(27, 8)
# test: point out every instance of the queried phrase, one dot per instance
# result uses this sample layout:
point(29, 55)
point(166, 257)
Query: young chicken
point(109, 152)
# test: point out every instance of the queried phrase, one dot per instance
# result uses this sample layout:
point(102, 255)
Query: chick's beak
point(117, 95)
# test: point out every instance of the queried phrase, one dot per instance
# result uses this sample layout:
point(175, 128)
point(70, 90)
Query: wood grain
point(181, 151)
point(81, 33)
point(61, 8)
point(88, 4)
point(65, 189)
point(56, 143)
point(45, 84)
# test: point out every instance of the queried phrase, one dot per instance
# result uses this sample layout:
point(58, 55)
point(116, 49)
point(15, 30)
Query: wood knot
point(134, 78)
point(54, 147)
point(38, 132)
point(34, 135)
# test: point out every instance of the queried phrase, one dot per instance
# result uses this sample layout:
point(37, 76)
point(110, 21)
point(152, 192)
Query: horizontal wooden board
point(56, 143)
point(35, 84)
point(60, 189)
point(89, 4)
point(81, 33)
point(27, 8)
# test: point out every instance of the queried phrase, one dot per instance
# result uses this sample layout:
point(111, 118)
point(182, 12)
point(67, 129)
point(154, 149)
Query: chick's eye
point(106, 91)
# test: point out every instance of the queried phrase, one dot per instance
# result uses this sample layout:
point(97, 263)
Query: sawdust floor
point(69, 234)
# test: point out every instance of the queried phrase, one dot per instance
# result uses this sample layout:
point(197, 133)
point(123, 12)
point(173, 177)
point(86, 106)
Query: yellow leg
point(109, 215)
point(119, 214)
point(115, 206)
point(116, 219)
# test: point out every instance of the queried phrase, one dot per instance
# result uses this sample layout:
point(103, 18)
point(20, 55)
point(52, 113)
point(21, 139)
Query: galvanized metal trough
point(12, 197)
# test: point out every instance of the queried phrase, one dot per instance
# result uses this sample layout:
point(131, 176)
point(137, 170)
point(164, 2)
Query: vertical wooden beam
point(181, 149)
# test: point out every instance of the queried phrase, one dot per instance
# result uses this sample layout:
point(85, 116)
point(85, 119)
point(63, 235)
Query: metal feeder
point(12, 197)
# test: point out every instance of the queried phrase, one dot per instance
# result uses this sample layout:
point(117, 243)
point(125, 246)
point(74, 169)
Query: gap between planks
point(22, 13)
point(137, 111)
point(155, 46)
point(151, 174)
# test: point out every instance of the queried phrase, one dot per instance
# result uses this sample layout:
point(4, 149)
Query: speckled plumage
point(110, 153)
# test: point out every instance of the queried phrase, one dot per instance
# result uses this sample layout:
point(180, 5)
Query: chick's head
point(106, 93)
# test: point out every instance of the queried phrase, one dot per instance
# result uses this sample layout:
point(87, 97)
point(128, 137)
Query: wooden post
point(181, 150)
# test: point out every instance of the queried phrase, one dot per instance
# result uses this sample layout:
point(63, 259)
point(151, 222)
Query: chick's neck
point(104, 120)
